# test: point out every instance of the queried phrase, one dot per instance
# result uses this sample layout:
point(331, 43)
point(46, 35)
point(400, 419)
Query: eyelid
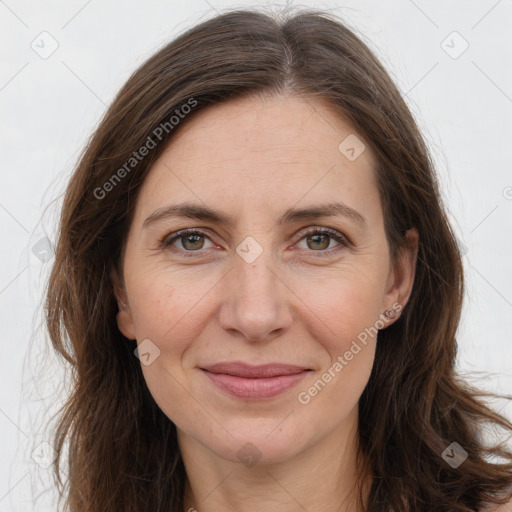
point(170, 238)
point(323, 230)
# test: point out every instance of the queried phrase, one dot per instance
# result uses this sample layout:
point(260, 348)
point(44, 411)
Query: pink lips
point(254, 382)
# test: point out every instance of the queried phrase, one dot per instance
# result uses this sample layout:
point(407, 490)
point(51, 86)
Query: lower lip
point(255, 389)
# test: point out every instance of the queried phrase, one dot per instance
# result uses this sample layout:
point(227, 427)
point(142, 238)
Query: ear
point(401, 276)
point(124, 316)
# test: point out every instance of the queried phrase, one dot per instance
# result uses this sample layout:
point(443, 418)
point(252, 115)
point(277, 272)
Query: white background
point(50, 106)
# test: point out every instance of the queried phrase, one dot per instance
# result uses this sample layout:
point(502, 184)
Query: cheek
point(343, 319)
point(172, 311)
point(163, 304)
point(341, 308)
point(170, 318)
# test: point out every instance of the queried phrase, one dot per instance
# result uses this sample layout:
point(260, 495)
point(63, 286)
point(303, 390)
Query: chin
point(256, 441)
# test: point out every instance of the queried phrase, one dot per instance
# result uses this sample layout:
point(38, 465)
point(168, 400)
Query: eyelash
point(166, 242)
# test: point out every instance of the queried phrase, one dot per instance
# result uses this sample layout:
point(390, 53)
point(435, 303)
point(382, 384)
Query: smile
point(254, 382)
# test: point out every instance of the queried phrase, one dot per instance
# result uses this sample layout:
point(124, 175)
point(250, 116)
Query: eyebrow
point(200, 212)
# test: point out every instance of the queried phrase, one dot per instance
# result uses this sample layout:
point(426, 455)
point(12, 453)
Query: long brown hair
point(123, 453)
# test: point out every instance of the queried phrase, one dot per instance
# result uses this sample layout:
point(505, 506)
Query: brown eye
point(192, 242)
point(319, 240)
point(188, 241)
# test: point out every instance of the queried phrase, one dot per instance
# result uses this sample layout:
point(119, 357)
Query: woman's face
point(260, 281)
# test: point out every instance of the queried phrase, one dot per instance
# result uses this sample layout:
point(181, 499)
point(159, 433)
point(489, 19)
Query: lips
point(254, 382)
point(238, 369)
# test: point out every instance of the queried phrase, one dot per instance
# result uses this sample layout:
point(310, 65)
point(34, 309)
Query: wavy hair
point(123, 453)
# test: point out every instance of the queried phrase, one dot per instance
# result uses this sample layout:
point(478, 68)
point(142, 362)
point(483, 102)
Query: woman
point(255, 210)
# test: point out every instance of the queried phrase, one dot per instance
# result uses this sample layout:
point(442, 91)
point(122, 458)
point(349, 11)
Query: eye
point(319, 240)
point(192, 240)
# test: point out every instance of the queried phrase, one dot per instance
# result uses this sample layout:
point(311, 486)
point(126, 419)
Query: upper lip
point(239, 369)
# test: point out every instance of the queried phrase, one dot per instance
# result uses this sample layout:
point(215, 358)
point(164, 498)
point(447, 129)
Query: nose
point(256, 304)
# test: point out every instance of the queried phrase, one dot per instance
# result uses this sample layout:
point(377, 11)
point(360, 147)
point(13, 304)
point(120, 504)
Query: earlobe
point(125, 324)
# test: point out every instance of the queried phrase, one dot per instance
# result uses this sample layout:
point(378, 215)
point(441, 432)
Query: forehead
point(277, 150)
point(281, 126)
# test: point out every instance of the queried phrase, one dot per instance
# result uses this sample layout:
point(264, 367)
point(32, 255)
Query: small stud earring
point(389, 313)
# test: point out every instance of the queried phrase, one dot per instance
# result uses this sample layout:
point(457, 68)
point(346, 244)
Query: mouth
point(254, 382)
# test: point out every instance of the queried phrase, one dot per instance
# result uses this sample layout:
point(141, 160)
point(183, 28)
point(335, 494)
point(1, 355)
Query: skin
point(253, 159)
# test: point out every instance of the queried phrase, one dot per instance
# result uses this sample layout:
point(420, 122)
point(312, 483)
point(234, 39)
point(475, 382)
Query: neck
point(322, 478)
